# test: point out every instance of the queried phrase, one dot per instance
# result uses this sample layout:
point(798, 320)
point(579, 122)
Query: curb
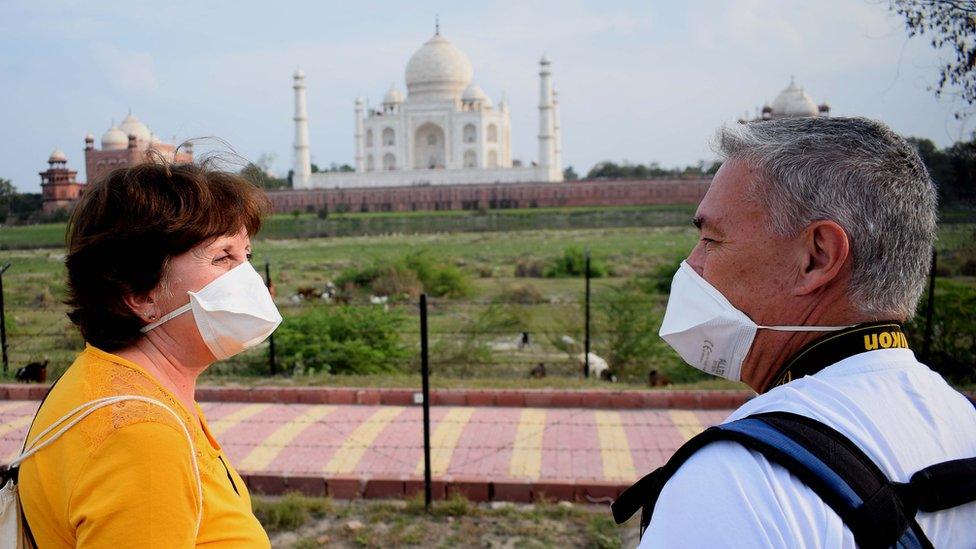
point(516, 398)
point(473, 489)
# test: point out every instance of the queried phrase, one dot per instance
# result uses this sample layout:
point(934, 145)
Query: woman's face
point(190, 272)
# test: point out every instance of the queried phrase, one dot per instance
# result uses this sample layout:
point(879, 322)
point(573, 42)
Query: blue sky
point(641, 81)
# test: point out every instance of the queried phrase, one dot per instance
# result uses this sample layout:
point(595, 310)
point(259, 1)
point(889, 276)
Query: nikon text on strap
point(880, 513)
point(837, 346)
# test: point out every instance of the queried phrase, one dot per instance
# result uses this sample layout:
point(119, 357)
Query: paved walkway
point(485, 448)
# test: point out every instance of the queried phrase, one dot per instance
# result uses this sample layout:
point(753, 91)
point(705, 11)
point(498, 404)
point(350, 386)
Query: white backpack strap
point(89, 407)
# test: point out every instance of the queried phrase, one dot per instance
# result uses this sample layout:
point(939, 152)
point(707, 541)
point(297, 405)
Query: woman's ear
point(825, 250)
point(143, 306)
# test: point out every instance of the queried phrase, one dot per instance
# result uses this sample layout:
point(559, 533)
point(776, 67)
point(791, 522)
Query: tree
point(953, 170)
point(569, 174)
point(7, 193)
point(949, 24)
point(262, 178)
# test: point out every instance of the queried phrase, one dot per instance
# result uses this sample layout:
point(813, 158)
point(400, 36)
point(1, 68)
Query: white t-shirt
point(901, 414)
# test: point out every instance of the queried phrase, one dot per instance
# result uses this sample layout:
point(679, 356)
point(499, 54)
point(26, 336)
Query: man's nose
point(696, 260)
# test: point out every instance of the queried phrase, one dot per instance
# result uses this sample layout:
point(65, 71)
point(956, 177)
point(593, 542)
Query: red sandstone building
point(128, 144)
point(493, 196)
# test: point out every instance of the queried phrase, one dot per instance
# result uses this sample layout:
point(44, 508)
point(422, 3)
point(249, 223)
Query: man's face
point(738, 254)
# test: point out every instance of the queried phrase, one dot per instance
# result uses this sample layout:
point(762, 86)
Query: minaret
point(545, 118)
point(303, 161)
point(360, 165)
point(557, 141)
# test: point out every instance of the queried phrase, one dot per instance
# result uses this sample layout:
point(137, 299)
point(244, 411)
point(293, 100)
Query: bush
point(953, 347)
point(573, 264)
point(342, 340)
point(529, 268)
point(409, 275)
point(524, 294)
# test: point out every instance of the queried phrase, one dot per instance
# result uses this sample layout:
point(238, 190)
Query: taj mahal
point(444, 131)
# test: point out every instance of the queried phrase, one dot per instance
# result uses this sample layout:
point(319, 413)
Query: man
point(814, 231)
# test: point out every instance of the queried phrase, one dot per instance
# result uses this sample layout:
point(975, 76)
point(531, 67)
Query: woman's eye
point(222, 259)
point(249, 256)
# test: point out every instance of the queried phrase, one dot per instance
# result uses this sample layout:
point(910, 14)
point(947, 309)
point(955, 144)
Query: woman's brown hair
point(128, 225)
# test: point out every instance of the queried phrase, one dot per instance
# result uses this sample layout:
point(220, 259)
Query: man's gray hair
point(859, 174)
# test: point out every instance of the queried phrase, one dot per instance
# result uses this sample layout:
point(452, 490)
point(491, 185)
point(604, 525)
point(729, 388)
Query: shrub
point(529, 268)
point(524, 294)
point(342, 340)
point(953, 348)
point(573, 264)
point(409, 275)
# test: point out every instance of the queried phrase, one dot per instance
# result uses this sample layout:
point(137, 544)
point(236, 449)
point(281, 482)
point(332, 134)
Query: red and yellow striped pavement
point(496, 443)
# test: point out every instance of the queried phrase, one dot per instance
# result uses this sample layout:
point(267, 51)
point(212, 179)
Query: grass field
point(38, 328)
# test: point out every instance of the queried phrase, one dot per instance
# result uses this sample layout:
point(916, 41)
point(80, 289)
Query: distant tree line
point(626, 170)
point(953, 170)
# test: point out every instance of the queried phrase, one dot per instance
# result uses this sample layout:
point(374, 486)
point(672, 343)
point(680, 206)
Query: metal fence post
point(929, 309)
point(425, 379)
point(586, 329)
point(3, 321)
point(272, 365)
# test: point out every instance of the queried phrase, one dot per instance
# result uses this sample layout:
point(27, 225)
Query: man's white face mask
point(707, 330)
point(233, 313)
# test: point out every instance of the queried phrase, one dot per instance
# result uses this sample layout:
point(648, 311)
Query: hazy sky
point(641, 81)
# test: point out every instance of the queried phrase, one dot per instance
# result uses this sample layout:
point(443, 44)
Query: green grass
point(38, 328)
point(299, 521)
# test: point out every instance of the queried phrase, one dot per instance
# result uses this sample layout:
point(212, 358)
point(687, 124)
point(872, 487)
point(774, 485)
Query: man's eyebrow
point(702, 222)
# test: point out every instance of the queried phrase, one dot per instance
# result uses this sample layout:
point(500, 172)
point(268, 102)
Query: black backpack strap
point(830, 464)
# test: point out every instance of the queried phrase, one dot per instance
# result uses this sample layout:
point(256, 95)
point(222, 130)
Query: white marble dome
point(114, 139)
point(393, 96)
point(793, 101)
point(438, 70)
point(132, 126)
point(474, 93)
point(57, 155)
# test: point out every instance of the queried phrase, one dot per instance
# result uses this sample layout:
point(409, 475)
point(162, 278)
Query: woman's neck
point(167, 369)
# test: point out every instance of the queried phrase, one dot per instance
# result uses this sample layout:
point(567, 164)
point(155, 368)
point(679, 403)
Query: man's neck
point(772, 349)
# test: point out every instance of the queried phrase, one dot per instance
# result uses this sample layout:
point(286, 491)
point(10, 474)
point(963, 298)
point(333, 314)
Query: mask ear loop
point(168, 316)
point(804, 328)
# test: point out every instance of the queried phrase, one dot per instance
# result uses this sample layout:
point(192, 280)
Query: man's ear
point(143, 306)
point(825, 249)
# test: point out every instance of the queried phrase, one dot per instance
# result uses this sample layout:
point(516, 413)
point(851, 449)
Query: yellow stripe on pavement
point(15, 424)
point(230, 420)
point(444, 439)
point(526, 459)
point(263, 454)
point(687, 423)
point(360, 439)
point(614, 448)
point(5, 406)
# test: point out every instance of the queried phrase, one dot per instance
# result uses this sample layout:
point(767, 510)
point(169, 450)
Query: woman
point(161, 287)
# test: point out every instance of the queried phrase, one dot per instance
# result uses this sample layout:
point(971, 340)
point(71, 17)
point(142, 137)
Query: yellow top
point(123, 476)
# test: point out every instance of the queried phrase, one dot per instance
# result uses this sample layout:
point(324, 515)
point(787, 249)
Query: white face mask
point(233, 313)
point(707, 330)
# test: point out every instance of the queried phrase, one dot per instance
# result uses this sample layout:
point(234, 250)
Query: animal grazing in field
point(35, 372)
point(539, 371)
point(597, 365)
point(657, 379)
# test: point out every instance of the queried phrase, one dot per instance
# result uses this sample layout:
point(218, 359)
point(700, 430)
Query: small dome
point(474, 93)
point(114, 139)
point(89, 137)
point(57, 156)
point(132, 126)
point(794, 102)
point(393, 96)
point(438, 70)
point(299, 73)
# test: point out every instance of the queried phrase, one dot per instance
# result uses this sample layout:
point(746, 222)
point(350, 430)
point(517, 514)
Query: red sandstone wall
point(495, 196)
